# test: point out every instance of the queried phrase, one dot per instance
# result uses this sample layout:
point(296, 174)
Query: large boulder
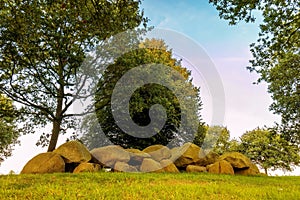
point(74, 152)
point(158, 152)
point(137, 156)
point(209, 159)
point(168, 166)
point(87, 167)
point(109, 155)
point(187, 154)
point(124, 167)
point(237, 160)
point(220, 167)
point(44, 163)
point(252, 170)
point(150, 165)
point(195, 168)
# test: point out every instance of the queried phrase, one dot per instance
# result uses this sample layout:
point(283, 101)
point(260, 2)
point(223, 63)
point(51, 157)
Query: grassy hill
point(105, 185)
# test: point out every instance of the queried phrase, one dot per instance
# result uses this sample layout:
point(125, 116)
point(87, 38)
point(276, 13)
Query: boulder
point(252, 170)
point(220, 167)
point(237, 160)
point(124, 167)
point(195, 168)
point(150, 165)
point(109, 155)
point(187, 154)
point(137, 156)
point(168, 166)
point(87, 167)
point(209, 159)
point(158, 152)
point(74, 152)
point(44, 163)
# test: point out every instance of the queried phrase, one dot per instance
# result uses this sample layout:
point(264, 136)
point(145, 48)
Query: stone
point(44, 163)
point(109, 155)
point(158, 152)
point(209, 159)
point(87, 167)
point(169, 166)
point(137, 156)
point(236, 159)
point(221, 167)
point(187, 154)
point(150, 165)
point(252, 170)
point(195, 168)
point(74, 152)
point(124, 167)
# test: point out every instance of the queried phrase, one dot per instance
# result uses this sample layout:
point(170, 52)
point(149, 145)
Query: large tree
point(269, 150)
point(276, 53)
point(176, 93)
point(8, 132)
point(42, 46)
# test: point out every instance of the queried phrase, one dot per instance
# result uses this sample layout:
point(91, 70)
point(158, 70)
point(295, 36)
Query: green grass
point(147, 186)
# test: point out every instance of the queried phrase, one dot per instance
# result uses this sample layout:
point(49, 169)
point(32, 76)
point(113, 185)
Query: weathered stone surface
point(137, 156)
point(195, 168)
point(44, 163)
point(109, 155)
point(237, 160)
point(74, 152)
point(150, 165)
point(220, 167)
point(187, 154)
point(252, 170)
point(87, 167)
point(169, 166)
point(209, 159)
point(158, 152)
point(124, 167)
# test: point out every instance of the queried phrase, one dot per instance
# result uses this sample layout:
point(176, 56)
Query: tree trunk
point(57, 121)
point(266, 171)
point(54, 135)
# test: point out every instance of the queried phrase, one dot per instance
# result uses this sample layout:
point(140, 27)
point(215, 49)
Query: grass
point(147, 186)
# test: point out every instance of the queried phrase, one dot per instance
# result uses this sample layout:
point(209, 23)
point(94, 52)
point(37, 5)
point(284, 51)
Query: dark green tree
point(276, 53)
point(42, 46)
point(8, 131)
point(151, 53)
point(269, 150)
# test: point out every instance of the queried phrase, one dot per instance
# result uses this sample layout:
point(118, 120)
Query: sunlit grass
point(147, 186)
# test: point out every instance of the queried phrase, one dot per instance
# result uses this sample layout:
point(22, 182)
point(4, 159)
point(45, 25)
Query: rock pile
point(74, 157)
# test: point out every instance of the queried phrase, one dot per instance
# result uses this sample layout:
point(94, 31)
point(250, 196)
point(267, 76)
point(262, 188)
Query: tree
point(276, 53)
point(175, 93)
point(8, 133)
point(269, 150)
point(42, 47)
point(216, 139)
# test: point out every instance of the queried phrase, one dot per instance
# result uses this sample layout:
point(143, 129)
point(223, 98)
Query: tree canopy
point(8, 131)
point(276, 53)
point(269, 150)
point(42, 46)
point(175, 93)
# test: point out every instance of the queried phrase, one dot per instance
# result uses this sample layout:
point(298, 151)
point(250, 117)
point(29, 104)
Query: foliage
point(216, 138)
point(42, 46)
point(276, 53)
point(148, 186)
point(150, 53)
point(269, 150)
point(8, 132)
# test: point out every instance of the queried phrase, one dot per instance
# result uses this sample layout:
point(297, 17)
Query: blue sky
point(228, 47)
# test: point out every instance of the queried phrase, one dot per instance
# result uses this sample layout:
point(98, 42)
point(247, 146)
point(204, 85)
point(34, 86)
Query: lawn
point(104, 185)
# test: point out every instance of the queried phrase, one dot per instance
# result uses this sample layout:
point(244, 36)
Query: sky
point(246, 104)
